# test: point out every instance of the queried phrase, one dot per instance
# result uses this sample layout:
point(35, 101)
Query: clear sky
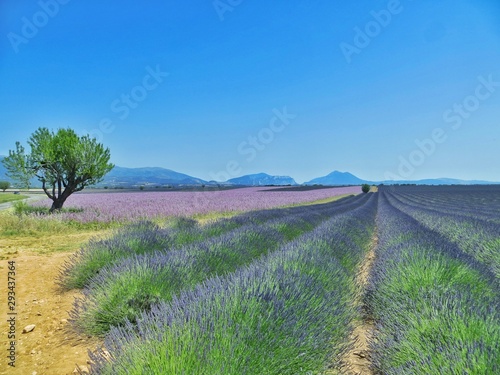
point(219, 89)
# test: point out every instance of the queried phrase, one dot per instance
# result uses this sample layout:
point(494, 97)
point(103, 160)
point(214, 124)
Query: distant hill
point(337, 178)
point(121, 176)
point(261, 179)
point(130, 177)
point(345, 178)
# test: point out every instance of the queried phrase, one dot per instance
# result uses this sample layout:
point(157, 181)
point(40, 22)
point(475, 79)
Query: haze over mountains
point(133, 177)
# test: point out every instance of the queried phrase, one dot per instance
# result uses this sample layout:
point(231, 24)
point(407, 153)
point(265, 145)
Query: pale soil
point(52, 347)
point(357, 359)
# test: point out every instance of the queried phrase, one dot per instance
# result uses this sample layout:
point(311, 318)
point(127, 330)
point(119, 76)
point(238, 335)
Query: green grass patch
point(9, 197)
point(319, 201)
point(12, 225)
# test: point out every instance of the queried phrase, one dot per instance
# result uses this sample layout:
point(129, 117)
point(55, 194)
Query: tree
point(4, 185)
point(365, 188)
point(18, 168)
point(63, 162)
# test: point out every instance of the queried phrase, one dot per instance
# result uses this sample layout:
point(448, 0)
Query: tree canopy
point(17, 165)
point(63, 162)
point(4, 185)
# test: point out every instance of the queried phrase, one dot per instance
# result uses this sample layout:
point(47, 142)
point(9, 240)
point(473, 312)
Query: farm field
point(412, 271)
point(123, 207)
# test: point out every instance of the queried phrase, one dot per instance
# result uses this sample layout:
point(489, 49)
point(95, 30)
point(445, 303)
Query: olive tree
point(62, 161)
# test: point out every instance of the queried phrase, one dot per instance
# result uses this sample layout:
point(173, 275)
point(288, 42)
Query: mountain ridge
point(260, 179)
point(124, 176)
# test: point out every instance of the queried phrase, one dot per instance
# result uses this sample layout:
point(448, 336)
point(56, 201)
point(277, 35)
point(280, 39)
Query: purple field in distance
point(126, 206)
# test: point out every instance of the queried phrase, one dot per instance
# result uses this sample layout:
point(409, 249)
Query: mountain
point(346, 178)
point(148, 175)
point(261, 179)
point(337, 178)
point(129, 177)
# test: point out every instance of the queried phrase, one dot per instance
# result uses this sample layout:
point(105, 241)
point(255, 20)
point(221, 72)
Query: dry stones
point(29, 328)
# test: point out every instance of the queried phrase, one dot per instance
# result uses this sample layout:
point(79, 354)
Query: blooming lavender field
point(128, 206)
point(276, 291)
point(434, 290)
point(278, 304)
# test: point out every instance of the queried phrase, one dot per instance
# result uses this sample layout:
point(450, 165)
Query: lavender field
point(128, 206)
point(278, 291)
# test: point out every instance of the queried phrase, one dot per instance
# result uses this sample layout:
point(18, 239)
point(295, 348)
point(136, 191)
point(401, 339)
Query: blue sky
point(218, 89)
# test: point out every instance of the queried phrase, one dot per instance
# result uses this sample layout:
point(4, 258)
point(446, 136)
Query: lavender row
point(145, 237)
point(124, 289)
point(479, 238)
point(127, 206)
point(455, 205)
point(437, 310)
point(286, 313)
point(479, 202)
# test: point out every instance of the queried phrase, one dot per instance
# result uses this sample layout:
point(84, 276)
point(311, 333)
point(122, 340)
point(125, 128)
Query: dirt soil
point(52, 348)
point(357, 359)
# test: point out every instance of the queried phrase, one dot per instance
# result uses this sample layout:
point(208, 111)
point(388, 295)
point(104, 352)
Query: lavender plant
point(122, 291)
point(125, 207)
point(437, 309)
point(286, 313)
point(477, 237)
point(146, 237)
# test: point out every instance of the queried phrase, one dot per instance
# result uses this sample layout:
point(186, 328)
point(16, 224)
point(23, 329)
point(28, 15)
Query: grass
point(320, 201)
point(211, 216)
point(9, 197)
point(44, 235)
point(12, 225)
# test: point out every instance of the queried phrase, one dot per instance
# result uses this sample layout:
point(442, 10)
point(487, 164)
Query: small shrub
point(365, 188)
point(23, 208)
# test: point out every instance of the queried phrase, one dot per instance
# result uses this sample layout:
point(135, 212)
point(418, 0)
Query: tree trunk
point(57, 204)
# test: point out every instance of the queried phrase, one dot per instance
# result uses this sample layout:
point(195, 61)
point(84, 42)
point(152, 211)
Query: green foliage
point(18, 166)
point(23, 208)
point(365, 188)
point(428, 296)
point(4, 185)
point(63, 162)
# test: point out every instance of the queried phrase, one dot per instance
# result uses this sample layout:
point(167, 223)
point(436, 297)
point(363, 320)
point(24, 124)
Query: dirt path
point(357, 360)
point(52, 348)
